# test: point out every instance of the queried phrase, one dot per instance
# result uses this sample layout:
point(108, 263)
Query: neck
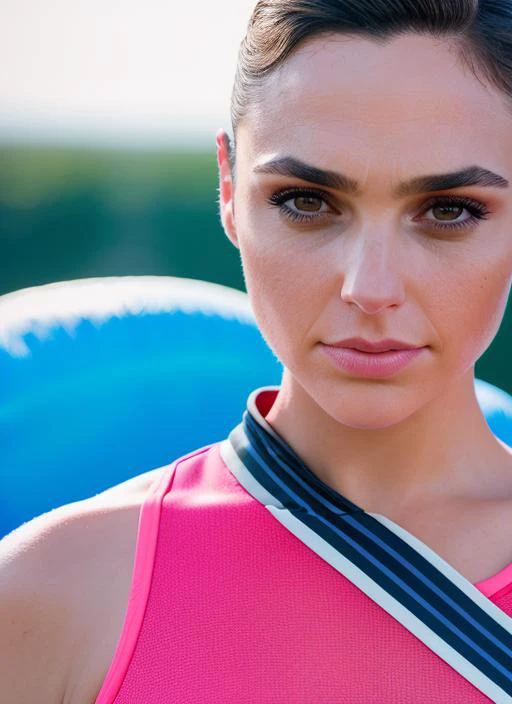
point(443, 452)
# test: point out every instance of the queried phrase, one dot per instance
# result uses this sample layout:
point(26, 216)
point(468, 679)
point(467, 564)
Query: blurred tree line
point(70, 213)
point(76, 213)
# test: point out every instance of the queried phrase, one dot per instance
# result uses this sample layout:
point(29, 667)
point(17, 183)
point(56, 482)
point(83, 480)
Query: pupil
point(307, 203)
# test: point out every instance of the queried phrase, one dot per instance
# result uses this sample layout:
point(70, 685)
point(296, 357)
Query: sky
point(116, 71)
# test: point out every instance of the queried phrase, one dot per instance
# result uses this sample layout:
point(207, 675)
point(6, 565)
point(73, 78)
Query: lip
point(358, 343)
point(379, 365)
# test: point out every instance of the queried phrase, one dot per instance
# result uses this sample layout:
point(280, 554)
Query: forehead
point(412, 96)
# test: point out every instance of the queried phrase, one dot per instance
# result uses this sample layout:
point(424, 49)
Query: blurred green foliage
point(70, 213)
point(75, 213)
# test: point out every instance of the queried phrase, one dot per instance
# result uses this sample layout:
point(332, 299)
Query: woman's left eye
point(308, 207)
point(478, 211)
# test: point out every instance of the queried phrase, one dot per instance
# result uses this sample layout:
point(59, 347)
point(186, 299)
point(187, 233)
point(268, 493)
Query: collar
point(275, 465)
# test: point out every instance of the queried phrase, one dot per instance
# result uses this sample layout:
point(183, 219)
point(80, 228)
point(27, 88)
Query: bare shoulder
point(74, 521)
point(67, 575)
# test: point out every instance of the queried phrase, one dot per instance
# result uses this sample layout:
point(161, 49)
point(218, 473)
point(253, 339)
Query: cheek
point(491, 293)
point(284, 285)
point(473, 302)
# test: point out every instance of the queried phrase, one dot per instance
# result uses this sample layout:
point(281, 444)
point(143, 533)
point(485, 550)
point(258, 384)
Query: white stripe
point(361, 580)
point(456, 577)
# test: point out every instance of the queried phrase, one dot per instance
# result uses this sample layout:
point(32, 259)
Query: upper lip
point(357, 343)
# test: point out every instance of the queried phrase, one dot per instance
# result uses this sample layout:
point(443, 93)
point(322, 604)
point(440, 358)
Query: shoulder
point(66, 577)
point(51, 533)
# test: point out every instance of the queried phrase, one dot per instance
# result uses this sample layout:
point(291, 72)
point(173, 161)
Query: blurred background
point(108, 115)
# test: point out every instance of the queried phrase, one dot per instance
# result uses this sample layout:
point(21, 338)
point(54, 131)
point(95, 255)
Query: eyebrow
point(471, 176)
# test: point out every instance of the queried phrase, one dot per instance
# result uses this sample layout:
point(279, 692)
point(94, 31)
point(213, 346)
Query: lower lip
point(371, 365)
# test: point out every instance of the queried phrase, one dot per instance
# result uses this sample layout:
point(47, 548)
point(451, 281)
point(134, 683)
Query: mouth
point(373, 347)
point(372, 364)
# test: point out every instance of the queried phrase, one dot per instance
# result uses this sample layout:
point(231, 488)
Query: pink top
point(228, 606)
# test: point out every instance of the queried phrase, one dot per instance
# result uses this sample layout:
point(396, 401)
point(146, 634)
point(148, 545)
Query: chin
point(372, 426)
point(372, 415)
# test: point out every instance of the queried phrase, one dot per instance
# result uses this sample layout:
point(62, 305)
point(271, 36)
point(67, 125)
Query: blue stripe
point(438, 591)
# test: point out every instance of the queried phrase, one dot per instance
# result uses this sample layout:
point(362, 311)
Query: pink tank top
point(228, 606)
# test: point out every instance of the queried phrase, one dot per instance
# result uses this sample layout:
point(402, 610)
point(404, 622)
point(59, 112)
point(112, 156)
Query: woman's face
point(373, 263)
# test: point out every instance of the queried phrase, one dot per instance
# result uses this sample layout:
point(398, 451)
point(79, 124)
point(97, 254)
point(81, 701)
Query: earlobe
point(229, 225)
point(226, 187)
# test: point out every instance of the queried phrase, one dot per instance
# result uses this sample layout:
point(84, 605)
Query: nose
point(373, 276)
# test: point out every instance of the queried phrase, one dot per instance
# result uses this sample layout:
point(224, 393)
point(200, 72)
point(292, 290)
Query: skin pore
point(374, 265)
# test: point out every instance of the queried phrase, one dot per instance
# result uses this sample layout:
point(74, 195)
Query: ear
point(226, 190)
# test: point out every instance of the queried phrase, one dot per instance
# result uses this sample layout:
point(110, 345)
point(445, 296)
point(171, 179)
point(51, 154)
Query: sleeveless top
point(227, 605)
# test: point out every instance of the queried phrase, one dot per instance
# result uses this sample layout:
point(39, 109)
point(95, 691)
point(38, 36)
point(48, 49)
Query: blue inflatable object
point(496, 406)
point(103, 379)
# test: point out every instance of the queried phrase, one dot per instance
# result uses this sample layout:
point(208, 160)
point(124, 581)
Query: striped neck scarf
point(392, 567)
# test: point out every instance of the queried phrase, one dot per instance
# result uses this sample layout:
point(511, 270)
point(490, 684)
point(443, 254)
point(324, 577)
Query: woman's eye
point(448, 212)
point(301, 204)
point(311, 204)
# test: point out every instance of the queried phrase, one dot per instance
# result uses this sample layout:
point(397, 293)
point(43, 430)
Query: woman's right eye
point(302, 199)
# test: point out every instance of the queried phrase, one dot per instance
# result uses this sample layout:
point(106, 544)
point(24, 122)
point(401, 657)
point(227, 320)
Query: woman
point(310, 555)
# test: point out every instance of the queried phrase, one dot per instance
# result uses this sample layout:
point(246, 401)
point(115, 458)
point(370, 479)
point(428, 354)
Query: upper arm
point(64, 583)
point(36, 618)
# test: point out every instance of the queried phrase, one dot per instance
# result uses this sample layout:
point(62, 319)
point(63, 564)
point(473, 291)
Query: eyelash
point(478, 210)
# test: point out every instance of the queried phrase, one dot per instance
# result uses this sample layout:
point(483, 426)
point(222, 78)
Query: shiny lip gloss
point(380, 365)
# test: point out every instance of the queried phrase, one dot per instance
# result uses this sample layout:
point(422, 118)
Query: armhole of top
point(145, 550)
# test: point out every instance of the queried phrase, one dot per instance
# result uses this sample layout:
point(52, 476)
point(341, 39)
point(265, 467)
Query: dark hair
point(481, 31)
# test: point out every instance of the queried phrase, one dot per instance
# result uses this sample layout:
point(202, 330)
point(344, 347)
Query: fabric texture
point(227, 605)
